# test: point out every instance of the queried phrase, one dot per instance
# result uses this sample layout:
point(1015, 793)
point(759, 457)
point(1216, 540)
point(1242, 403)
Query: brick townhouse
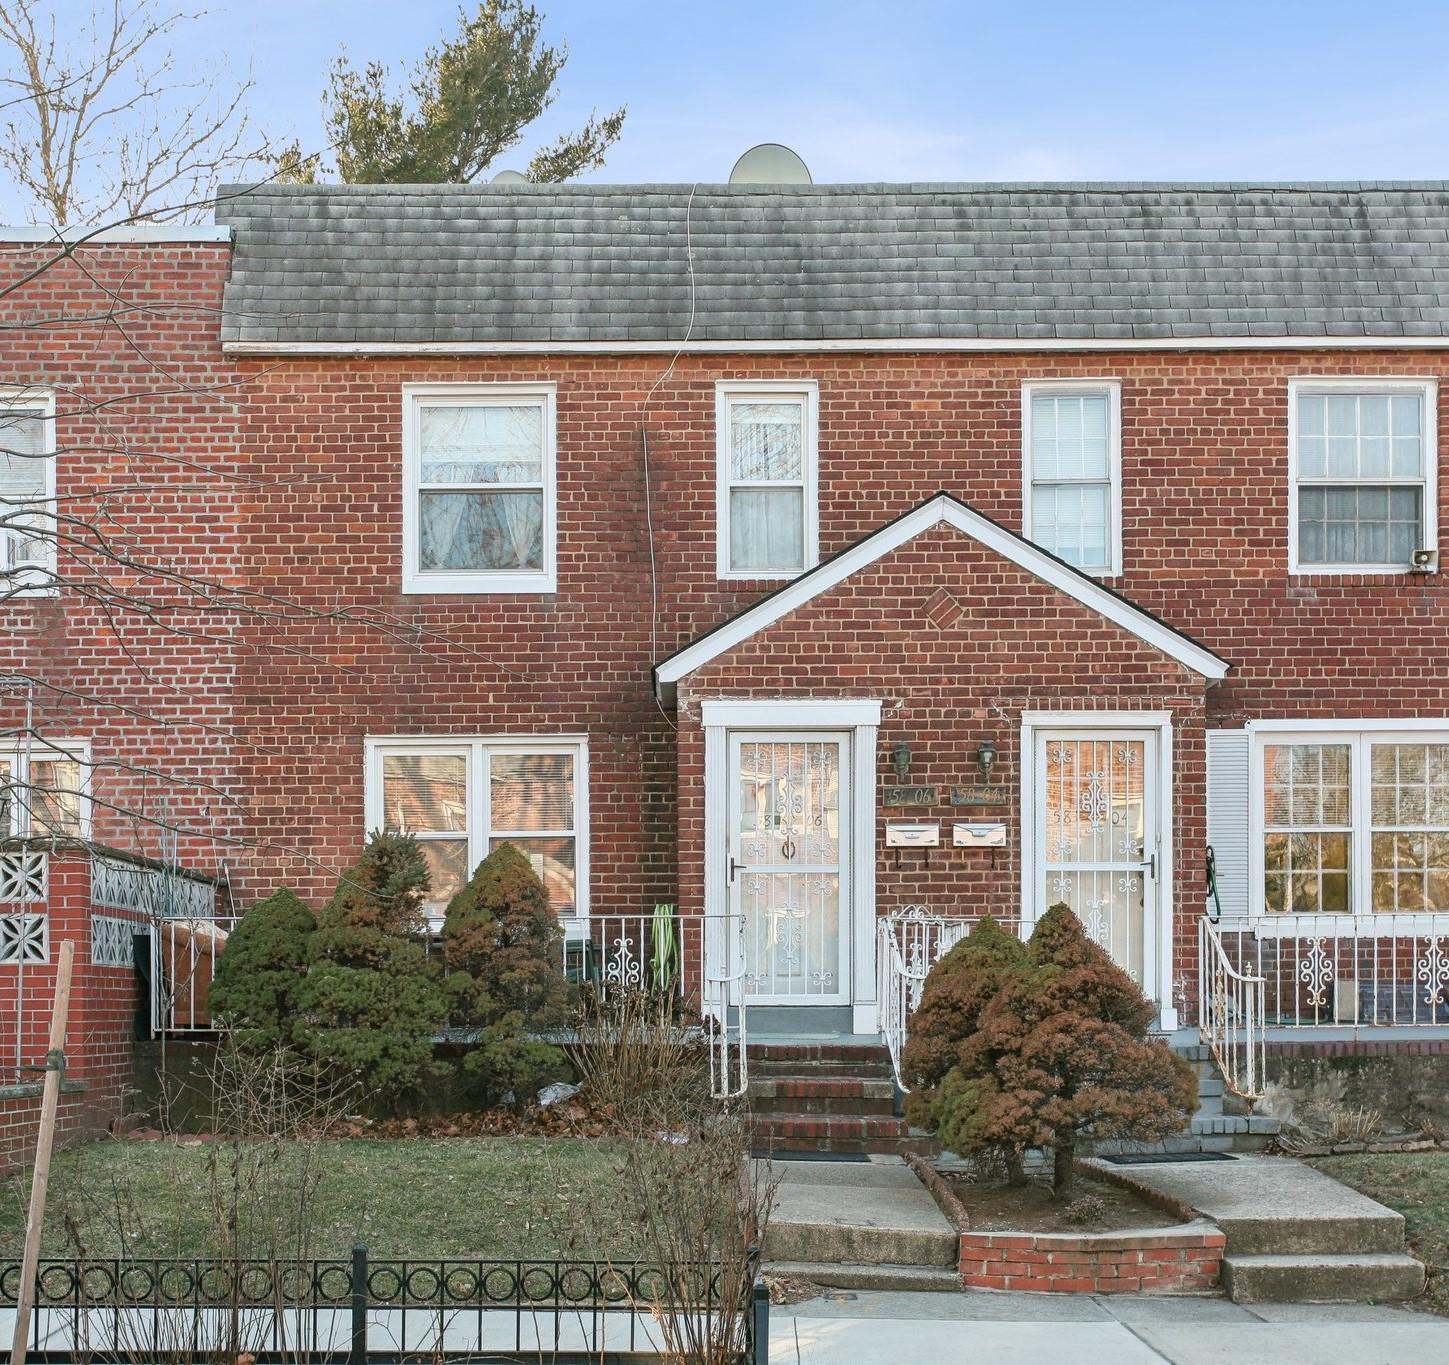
point(806, 558)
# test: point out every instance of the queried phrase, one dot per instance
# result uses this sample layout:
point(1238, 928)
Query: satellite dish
point(770, 164)
point(509, 178)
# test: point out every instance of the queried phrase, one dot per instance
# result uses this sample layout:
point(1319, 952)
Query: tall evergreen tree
point(371, 1006)
point(262, 969)
point(467, 102)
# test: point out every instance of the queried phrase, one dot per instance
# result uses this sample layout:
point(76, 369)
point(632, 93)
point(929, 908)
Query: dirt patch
point(1095, 1206)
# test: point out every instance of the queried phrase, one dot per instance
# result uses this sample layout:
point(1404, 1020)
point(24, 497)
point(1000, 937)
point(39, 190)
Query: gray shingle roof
point(444, 264)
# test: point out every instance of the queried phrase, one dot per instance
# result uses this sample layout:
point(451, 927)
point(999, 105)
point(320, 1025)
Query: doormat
point(766, 1154)
point(1162, 1158)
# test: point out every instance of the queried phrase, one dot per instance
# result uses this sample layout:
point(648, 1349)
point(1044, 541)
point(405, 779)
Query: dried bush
point(1087, 1210)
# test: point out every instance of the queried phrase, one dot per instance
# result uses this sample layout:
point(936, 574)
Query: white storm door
point(1096, 825)
point(788, 865)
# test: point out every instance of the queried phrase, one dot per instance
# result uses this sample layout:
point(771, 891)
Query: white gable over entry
point(941, 510)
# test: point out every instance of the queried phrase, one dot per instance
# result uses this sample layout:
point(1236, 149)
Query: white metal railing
point(908, 945)
point(183, 963)
point(1359, 971)
point(1230, 1014)
point(697, 960)
point(157, 893)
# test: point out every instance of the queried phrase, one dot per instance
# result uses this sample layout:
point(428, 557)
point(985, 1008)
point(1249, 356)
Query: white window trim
point(1161, 839)
point(1358, 734)
point(1368, 384)
point(23, 396)
point(477, 750)
point(1113, 389)
point(727, 390)
point(19, 753)
point(415, 580)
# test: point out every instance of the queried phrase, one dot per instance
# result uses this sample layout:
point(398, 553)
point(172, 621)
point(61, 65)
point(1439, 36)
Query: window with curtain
point(1363, 484)
point(27, 495)
point(767, 482)
point(461, 799)
point(1356, 823)
point(480, 515)
point(1072, 462)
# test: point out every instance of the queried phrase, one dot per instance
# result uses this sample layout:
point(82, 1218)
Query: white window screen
point(1071, 476)
point(426, 795)
point(481, 487)
point(1409, 813)
point(767, 477)
point(531, 806)
point(27, 523)
point(1360, 478)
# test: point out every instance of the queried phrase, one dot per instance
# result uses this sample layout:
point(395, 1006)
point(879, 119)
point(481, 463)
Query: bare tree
point(99, 124)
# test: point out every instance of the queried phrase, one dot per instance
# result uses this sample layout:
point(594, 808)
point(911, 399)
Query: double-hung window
point(461, 798)
point(1354, 821)
point(1364, 464)
point(27, 492)
point(479, 502)
point(1072, 450)
point(43, 790)
point(767, 475)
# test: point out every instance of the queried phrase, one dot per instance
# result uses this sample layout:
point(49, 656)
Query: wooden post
point(45, 1140)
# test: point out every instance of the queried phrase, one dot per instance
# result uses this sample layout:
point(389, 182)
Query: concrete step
point(914, 1279)
point(816, 1095)
point(875, 1213)
point(1322, 1277)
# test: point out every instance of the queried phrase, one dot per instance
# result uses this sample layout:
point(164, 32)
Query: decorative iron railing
point(696, 960)
point(909, 944)
point(1359, 971)
point(1230, 1014)
point(358, 1310)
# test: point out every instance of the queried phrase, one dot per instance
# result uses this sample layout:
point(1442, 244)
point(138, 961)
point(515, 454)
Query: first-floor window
point(461, 798)
point(42, 792)
point(1355, 823)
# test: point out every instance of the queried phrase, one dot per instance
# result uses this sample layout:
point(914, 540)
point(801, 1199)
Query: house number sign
point(909, 796)
point(979, 794)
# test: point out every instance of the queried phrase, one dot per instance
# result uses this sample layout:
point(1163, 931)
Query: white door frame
point(1086, 722)
point(858, 717)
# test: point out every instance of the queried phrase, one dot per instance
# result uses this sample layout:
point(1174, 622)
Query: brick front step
point(826, 1095)
point(837, 1133)
point(863, 1061)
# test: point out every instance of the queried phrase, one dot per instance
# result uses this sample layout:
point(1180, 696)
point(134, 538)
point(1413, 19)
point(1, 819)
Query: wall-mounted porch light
point(901, 761)
point(986, 758)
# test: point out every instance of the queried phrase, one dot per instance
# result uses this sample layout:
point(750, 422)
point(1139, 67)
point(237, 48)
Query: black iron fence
point(359, 1310)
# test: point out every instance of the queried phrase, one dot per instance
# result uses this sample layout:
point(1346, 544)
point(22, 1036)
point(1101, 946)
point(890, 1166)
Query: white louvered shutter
point(1227, 816)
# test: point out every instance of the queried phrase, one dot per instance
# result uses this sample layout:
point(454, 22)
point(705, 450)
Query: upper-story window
point(1072, 441)
point(27, 491)
point(767, 479)
point(1363, 461)
point(479, 504)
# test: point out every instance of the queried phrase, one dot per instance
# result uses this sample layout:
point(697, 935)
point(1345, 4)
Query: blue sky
point(923, 89)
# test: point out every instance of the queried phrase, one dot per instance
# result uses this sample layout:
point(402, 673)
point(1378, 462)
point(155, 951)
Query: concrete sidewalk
point(974, 1326)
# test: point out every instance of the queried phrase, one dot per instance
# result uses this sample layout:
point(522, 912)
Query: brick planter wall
point(1149, 1261)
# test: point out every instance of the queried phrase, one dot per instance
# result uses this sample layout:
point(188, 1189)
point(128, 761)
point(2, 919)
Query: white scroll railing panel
point(1336, 971)
point(695, 961)
point(909, 944)
point(1230, 1014)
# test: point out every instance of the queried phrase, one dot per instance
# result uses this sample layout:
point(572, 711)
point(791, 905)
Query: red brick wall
point(100, 1029)
point(1172, 1261)
point(1017, 645)
point(291, 479)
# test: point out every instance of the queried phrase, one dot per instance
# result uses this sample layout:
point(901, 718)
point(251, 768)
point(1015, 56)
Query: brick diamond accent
point(942, 610)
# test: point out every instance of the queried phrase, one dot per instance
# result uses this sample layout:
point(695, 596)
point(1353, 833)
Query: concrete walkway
point(975, 1326)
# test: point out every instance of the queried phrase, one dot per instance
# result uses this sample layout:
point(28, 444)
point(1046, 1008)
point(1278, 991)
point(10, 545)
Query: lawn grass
point(414, 1197)
point(1415, 1184)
